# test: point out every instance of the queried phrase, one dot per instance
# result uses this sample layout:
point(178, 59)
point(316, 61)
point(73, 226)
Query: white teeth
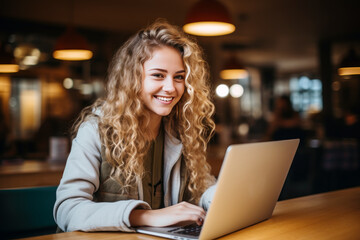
point(166, 99)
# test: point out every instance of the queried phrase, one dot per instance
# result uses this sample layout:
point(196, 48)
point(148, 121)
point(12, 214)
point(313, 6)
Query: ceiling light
point(71, 46)
point(208, 18)
point(349, 71)
point(233, 69)
point(222, 90)
point(27, 55)
point(7, 61)
point(236, 90)
point(8, 68)
point(350, 65)
point(68, 83)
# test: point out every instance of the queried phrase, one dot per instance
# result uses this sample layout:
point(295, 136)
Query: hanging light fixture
point(71, 46)
point(7, 61)
point(350, 65)
point(233, 69)
point(208, 18)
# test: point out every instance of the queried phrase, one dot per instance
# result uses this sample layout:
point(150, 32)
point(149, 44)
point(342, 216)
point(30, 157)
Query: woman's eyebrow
point(158, 69)
point(164, 70)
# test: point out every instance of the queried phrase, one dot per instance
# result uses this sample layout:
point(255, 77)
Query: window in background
point(25, 107)
point(306, 94)
point(250, 100)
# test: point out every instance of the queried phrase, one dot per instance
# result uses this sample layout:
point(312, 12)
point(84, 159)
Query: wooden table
point(31, 173)
point(333, 215)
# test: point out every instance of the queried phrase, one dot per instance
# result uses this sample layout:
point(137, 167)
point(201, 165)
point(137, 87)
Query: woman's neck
point(154, 126)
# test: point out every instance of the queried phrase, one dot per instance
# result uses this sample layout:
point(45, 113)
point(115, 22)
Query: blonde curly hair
point(124, 119)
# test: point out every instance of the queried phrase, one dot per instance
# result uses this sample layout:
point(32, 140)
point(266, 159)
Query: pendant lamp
point(350, 65)
point(7, 61)
point(208, 18)
point(71, 46)
point(233, 69)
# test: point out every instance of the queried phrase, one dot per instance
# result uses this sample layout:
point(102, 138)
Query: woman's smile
point(165, 100)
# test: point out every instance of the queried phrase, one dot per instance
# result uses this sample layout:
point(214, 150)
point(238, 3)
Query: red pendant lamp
point(233, 69)
point(208, 18)
point(71, 46)
point(350, 65)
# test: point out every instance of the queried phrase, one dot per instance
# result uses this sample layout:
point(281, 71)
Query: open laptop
point(249, 184)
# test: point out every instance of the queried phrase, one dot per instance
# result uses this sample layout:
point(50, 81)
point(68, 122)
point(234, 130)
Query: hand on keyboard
point(168, 216)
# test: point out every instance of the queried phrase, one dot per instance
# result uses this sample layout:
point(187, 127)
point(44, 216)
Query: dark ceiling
point(280, 33)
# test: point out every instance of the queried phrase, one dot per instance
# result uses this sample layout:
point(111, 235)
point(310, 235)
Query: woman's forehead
point(165, 56)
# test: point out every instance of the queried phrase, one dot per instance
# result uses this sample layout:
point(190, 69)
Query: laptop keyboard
point(193, 230)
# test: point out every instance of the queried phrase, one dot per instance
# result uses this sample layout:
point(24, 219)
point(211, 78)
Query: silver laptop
point(249, 184)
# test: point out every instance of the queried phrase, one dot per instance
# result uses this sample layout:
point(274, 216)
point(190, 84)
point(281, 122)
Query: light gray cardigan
point(75, 207)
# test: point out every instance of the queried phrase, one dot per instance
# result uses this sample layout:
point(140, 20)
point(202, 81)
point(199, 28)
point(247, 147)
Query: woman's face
point(163, 81)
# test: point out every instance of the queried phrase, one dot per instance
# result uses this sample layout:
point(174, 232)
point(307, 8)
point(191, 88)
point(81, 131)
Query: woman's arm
point(181, 212)
point(74, 207)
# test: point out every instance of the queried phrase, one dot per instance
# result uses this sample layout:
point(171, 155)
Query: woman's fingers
point(191, 212)
point(182, 212)
point(200, 221)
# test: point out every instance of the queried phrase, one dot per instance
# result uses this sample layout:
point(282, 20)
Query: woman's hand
point(181, 212)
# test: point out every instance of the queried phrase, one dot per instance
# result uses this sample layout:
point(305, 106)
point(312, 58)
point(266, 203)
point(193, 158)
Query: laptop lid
point(248, 187)
point(249, 184)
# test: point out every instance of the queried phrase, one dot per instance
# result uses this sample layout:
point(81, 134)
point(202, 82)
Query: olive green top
point(153, 177)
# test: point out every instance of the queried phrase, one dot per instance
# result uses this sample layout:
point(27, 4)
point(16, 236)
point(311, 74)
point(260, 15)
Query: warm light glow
point(222, 90)
point(68, 83)
point(73, 54)
point(234, 74)
point(29, 110)
point(30, 60)
point(27, 55)
point(54, 90)
point(209, 28)
point(9, 68)
point(345, 71)
point(243, 129)
point(236, 90)
point(86, 89)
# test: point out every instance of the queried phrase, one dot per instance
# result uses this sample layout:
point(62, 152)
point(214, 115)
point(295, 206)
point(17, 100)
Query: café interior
point(304, 53)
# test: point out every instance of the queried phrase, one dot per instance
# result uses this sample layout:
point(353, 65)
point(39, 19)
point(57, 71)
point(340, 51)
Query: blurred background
point(289, 85)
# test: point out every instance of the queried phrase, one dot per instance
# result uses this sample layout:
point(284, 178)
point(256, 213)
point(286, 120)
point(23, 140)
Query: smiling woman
point(139, 153)
point(163, 83)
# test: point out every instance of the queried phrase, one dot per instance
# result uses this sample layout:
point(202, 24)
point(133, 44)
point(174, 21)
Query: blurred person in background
point(286, 122)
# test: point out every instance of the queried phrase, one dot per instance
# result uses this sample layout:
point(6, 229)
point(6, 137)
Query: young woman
point(138, 156)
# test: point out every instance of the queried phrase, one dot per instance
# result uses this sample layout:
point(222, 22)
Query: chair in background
point(26, 212)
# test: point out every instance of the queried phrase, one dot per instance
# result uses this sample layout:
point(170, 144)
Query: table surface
point(332, 215)
point(31, 173)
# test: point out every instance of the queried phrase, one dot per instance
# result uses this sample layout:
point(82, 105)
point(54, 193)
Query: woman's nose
point(169, 85)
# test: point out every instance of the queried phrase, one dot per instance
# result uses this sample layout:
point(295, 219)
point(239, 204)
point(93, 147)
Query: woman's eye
point(157, 75)
point(179, 77)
